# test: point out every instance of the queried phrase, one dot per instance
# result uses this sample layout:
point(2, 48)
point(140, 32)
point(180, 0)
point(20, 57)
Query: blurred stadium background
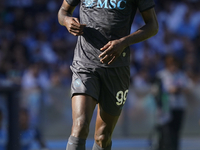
point(35, 55)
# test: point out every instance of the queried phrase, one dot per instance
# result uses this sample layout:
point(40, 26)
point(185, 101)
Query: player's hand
point(111, 51)
point(73, 26)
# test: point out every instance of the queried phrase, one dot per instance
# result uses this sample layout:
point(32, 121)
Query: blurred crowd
point(36, 52)
point(178, 37)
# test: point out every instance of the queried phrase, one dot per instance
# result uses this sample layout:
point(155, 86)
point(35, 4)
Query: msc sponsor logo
point(109, 4)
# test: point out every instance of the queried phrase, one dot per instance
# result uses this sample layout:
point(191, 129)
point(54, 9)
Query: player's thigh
point(83, 105)
point(82, 111)
point(105, 124)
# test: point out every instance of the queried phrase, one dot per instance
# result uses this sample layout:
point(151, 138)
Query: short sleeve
point(73, 2)
point(145, 4)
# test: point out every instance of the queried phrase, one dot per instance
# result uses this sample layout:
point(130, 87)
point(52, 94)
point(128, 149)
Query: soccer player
point(101, 62)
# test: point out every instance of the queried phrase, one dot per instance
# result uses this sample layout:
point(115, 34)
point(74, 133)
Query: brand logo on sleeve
point(109, 4)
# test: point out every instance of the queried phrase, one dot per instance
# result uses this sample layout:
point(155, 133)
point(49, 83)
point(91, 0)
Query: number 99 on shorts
point(121, 97)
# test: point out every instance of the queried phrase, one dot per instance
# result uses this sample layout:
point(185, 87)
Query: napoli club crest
point(77, 83)
point(89, 3)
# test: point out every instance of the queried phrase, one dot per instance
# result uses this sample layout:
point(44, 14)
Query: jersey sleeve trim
point(147, 8)
point(72, 3)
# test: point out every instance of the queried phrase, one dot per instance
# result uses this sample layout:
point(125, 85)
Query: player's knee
point(80, 128)
point(103, 140)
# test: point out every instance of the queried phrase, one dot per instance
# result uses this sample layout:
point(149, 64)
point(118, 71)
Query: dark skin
point(82, 110)
point(84, 105)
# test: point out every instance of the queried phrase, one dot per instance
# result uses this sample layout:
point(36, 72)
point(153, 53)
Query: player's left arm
point(113, 49)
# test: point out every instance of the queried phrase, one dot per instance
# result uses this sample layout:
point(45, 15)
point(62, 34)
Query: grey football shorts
point(108, 86)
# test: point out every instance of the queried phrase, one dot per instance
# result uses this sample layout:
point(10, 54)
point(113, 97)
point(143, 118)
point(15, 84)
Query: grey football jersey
point(105, 20)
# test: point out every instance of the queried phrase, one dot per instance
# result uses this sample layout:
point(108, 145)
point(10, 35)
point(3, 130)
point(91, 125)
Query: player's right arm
point(66, 19)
